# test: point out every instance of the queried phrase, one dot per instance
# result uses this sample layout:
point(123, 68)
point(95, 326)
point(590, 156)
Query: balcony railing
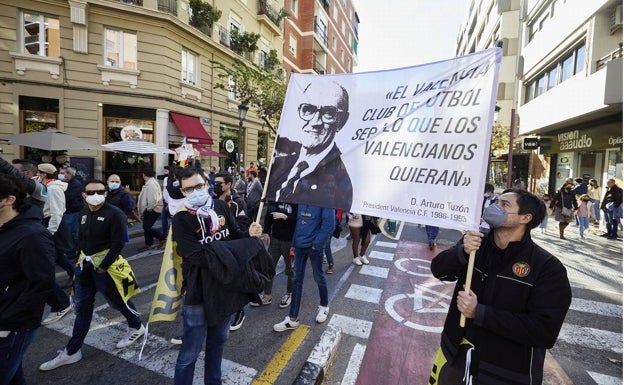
point(271, 11)
point(134, 2)
point(169, 6)
point(321, 31)
point(612, 56)
point(318, 67)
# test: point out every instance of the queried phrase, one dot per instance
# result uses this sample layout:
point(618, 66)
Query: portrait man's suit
point(316, 187)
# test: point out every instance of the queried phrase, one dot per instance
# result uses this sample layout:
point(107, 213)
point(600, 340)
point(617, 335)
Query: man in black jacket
point(208, 302)
point(518, 300)
point(26, 275)
point(611, 206)
point(102, 235)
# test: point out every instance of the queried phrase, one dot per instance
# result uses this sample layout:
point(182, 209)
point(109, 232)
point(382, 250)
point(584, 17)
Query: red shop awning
point(192, 129)
point(205, 151)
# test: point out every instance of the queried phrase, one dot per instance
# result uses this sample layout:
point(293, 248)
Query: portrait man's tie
point(290, 186)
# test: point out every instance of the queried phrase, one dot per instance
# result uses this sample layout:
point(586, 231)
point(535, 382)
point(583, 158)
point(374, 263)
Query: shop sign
point(597, 138)
point(530, 143)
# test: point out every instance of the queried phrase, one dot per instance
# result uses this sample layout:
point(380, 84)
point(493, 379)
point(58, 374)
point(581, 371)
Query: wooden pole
point(462, 320)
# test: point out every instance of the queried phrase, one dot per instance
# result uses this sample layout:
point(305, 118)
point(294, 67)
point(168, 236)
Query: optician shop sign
point(588, 139)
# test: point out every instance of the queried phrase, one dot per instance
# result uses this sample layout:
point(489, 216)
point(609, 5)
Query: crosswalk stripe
point(381, 255)
point(595, 307)
point(364, 293)
point(391, 245)
point(375, 271)
point(352, 326)
point(591, 338)
point(353, 368)
point(604, 379)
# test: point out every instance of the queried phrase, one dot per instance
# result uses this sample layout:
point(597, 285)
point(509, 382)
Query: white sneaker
point(321, 316)
point(62, 359)
point(131, 336)
point(286, 324)
point(357, 261)
point(285, 300)
point(364, 260)
point(53, 317)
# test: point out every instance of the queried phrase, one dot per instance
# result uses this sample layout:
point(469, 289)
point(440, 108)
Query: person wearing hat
point(53, 211)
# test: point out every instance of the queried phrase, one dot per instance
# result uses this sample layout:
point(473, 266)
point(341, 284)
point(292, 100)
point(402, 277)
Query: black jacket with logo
point(523, 296)
point(100, 230)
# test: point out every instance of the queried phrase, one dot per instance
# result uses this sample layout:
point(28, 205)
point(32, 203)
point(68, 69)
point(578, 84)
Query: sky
point(402, 33)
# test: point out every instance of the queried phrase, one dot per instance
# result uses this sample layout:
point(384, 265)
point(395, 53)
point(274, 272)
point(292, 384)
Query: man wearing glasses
point(312, 156)
point(102, 233)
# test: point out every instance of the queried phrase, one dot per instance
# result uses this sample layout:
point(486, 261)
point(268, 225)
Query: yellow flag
point(167, 298)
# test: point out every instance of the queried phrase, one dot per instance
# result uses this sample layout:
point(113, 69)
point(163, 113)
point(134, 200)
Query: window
point(231, 88)
point(552, 78)
point(530, 95)
point(294, 6)
point(120, 49)
point(292, 46)
point(189, 67)
point(567, 68)
point(579, 62)
point(41, 35)
point(541, 85)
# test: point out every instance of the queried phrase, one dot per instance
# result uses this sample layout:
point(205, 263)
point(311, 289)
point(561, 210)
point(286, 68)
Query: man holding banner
point(517, 303)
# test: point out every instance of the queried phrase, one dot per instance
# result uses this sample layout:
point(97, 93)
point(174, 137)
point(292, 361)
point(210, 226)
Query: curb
point(320, 358)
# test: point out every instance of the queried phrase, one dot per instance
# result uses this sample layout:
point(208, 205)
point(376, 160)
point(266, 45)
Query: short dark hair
point(529, 203)
point(578, 180)
point(253, 173)
point(489, 188)
point(84, 186)
point(227, 177)
point(12, 185)
point(149, 172)
point(189, 172)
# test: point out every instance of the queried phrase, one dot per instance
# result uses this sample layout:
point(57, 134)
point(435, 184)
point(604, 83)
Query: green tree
point(500, 139)
point(255, 86)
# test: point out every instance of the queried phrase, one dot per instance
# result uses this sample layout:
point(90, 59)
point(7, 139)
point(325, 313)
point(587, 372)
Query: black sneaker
point(330, 269)
point(237, 322)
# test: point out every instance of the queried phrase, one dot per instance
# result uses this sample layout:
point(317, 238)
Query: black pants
point(149, 219)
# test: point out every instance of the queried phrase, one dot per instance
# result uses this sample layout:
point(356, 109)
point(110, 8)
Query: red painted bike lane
point(406, 333)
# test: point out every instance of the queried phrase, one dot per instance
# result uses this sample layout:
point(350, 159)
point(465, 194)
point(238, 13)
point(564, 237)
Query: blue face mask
point(197, 197)
point(495, 216)
point(61, 177)
point(113, 185)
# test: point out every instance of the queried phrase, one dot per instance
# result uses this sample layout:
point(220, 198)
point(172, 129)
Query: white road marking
point(604, 379)
point(364, 293)
point(351, 326)
point(353, 368)
point(381, 255)
point(391, 245)
point(375, 271)
point(591, 338)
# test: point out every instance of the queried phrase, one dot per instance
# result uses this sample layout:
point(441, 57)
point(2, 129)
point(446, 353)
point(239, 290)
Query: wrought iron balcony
point(169, 6)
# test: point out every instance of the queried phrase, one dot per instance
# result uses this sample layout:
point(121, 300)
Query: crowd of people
point(83, 228)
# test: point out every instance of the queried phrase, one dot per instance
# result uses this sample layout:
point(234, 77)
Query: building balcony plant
point(244, 42)
point(203, 16)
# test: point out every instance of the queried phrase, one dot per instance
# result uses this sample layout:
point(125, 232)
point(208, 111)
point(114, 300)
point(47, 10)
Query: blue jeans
point(596, 203)
point(583, 224)
point(12, 349)
point(328, 252)
point(316, 260)
point(612, 223)
point(195, 331)
point(87, 283)
point(432, 232)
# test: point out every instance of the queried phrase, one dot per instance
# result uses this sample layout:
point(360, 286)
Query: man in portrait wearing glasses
point(102, 236)
point(312, 156)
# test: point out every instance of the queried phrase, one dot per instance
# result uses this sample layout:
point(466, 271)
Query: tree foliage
point(255, 86)
point(500, 139)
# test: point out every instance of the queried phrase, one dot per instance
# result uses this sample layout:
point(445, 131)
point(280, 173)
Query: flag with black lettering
point(409, 144)
point(167, 300)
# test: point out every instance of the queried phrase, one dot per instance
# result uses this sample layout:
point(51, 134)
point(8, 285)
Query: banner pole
point(266, 182)
point(462, 319)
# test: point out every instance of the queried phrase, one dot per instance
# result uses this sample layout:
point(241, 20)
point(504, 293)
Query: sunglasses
point(197, 187)
point(92, 192)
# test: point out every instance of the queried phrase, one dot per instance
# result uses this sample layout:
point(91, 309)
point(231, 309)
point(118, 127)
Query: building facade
point(571, 88)
point(107, 70)
point(320, 36)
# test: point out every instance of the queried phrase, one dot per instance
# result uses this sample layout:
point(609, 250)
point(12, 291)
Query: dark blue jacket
point(314, 226)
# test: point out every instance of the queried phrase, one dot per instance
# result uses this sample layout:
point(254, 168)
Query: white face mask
point(61, 177)
point(95, 199)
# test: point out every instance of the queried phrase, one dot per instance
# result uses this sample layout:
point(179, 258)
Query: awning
point(192, 129)
point(205, 151)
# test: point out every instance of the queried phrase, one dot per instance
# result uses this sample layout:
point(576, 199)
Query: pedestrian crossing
point(585, 337)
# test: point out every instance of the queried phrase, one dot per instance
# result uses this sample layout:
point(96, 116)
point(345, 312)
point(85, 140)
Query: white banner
point(410, 144)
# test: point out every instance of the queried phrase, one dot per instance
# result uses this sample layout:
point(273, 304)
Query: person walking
point(73, 204)
point(612, 208)
point(254, 193)
point(515, 307)
point(120, 198)
point(584, 213)
point(279, 227)
point(101, 238)
point(595, 194)
point(360, 239)
point(150, 205)
point(432, 234)
point(563, 205)
point(26, 276)
point(314, 226)
point(202, 240)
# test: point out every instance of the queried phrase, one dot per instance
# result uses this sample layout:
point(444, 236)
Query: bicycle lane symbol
point(425, 309)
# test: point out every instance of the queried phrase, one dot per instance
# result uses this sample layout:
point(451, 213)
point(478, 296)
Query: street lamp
point(242, 113)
